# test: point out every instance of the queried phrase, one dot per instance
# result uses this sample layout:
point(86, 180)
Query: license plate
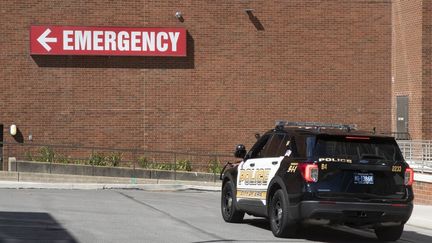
point(363, 178)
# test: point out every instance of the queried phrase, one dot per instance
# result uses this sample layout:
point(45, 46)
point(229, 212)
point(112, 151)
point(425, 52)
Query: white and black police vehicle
point(300, 173)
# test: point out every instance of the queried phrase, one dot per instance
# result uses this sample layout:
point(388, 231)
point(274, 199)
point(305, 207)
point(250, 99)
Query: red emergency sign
point(107, 41)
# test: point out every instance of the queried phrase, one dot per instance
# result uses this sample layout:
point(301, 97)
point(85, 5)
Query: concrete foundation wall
point(40, 167)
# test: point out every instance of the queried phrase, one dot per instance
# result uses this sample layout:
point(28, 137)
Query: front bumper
point(355, 213)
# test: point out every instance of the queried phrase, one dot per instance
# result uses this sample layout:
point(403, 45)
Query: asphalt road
point(139, 216)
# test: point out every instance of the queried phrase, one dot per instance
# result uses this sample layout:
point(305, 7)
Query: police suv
point(320, 173)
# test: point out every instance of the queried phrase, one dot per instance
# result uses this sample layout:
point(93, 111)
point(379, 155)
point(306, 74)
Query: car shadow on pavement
point(32, 227)
point(416, 237)
point(339, 234)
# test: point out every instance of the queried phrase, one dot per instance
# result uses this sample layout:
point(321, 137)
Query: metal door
point(402, 114)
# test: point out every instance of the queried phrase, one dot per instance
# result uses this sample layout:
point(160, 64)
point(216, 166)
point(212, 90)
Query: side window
point(259, 147)
point(272, 149)
point(285, 147)
point(298, 146)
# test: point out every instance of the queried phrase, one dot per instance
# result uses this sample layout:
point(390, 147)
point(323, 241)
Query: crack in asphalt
point(175, 218)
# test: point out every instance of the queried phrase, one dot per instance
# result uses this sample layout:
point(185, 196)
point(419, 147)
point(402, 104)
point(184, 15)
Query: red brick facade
point(411, 64)
point(407, 61)
point(299, 60)
point(320, 60)
point(412, 72)
point(422, 193)
point(427, 69)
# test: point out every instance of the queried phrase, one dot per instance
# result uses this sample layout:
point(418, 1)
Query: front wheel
point(230, 213)
point(280, 222)
point(389, 233)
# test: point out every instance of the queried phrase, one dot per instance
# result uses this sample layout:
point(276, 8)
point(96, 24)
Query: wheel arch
point(230, 175)
point(279, 183)
point(275, 184)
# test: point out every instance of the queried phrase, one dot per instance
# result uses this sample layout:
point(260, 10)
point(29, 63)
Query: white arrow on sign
point(43, 39)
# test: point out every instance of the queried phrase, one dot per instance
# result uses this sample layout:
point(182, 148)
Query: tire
point(280, 222)
point(230, 213)
point(390, 233)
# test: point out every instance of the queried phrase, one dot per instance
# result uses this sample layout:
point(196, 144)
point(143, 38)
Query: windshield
point(364, 148)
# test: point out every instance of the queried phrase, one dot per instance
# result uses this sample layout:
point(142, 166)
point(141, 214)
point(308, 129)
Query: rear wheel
point(280, 222)
point(230, 213)
point(389, 233)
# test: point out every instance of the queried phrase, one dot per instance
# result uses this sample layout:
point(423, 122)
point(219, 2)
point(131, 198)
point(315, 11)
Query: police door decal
point(255, 174)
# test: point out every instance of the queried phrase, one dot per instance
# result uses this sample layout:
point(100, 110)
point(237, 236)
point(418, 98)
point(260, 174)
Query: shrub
point(184, 165)
point(97, 159)
point(163, 166)
point(144, 163)
point(113, 159)
point(214, 166)
point(59, 158)
point(29, 156)
point(46, 154)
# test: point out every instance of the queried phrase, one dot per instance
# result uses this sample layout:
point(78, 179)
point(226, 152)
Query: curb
point(26, 180)
point(99, 186)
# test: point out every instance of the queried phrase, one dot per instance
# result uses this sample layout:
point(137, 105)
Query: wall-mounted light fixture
point(179, 16)
point(13, 130)
point(249, 10)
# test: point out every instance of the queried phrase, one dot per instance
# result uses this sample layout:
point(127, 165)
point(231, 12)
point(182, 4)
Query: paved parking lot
point(140, 216)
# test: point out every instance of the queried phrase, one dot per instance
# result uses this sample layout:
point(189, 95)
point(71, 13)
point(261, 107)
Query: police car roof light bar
point(317, 125)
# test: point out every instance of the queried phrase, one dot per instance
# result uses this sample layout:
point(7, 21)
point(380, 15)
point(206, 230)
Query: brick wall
point(411, 71)
point(427, 69)
point(422, 192)
point(411, 63)
point(318, 60)
point(407, 61)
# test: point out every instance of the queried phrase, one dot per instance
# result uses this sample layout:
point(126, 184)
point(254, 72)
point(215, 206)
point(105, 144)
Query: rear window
point(355, 148)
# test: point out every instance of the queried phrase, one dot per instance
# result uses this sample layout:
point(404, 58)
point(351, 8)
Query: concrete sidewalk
point(421, 217)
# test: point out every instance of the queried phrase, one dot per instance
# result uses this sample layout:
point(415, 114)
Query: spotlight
point(13, 130)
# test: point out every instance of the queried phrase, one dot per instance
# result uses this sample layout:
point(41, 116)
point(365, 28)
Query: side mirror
point(257, 136)
point(240, 151)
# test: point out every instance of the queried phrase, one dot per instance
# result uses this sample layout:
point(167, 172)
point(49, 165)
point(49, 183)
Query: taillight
point(309, 172)
point(409, 177)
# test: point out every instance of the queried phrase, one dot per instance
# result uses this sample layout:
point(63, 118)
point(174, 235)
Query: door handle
point(252, 164)
point(274, 163)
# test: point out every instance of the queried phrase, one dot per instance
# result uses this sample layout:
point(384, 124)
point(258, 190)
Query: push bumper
point(356, 213)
